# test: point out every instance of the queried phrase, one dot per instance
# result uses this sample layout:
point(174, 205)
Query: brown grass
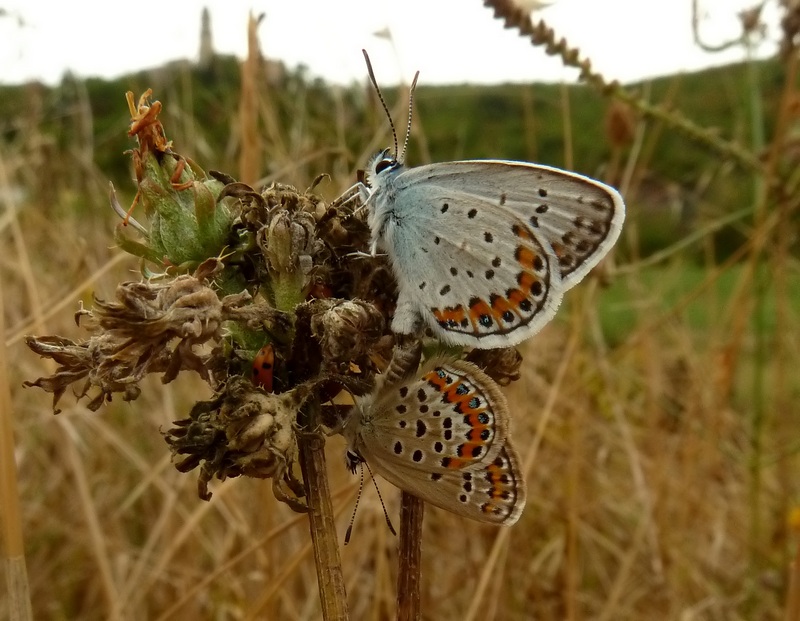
point(661, 468)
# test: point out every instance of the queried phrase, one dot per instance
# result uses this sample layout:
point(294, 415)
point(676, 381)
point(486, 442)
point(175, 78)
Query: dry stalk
point(324, 538)
point(409, 566)
point(17, 585)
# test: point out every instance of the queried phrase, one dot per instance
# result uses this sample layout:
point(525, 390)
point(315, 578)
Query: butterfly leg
point(356, 191)
point(347, 196)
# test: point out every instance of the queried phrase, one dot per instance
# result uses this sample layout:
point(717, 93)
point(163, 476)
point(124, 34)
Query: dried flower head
point(242, 431)
point(237, 268)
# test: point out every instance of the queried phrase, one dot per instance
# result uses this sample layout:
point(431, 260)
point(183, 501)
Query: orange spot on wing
point(471, 418)
point(515, 297)
point(495, 475)
point(433, 378)
point(526, 281)
point(500, 305)
point(525, 256)
point(479, 307)
point(445, 316)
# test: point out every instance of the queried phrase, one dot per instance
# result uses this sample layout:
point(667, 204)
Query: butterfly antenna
point(410, 110)
point(383, 505)
point(355, 508)
point(380, 96)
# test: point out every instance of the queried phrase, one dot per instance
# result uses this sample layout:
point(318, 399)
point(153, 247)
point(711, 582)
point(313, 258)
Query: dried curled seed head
point(183, 307)
point(347, 329)
point(502, 365)
point(150, 328)
point(289, 242)
point(243, 431)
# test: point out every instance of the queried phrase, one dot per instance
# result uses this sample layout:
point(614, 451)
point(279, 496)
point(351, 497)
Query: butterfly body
point(483, 250)
point(442, 435)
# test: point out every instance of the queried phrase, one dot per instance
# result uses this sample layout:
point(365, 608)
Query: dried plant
point(230, 270)
point(235, 268)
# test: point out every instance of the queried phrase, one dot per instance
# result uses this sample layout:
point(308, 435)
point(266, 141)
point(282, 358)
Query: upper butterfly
point(483, 250)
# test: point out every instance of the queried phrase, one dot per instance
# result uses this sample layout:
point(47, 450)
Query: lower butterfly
point(442, 435)
point(484, 250)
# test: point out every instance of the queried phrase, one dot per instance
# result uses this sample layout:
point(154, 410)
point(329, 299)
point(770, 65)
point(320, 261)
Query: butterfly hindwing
point(472, 273)
point(448, 416)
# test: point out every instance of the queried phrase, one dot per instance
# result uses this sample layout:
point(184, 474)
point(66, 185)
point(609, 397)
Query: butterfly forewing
point(449, 416)
point(442, 435)
point(578, 217)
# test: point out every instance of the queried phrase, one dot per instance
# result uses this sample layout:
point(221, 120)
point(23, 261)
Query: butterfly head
point(383, 163)
point(352, 460)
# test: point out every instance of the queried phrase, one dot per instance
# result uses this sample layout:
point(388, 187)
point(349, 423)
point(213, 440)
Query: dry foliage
point(661, 464)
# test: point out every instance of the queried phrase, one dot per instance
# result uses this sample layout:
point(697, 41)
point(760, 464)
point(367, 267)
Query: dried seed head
point(87, 363)
point(289, 243)
point(502, 365)
point(150, 328)
point(243, 431)
point(346, 330)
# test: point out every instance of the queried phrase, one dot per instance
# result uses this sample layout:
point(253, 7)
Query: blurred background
point(657, 415)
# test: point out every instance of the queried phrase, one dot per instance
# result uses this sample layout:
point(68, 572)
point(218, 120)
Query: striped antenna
point(410, 109)
point(380, 96)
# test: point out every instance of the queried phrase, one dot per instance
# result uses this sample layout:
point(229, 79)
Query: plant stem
point(13, 547)
point(332, 593)
point(412, 510)
point(760, 291)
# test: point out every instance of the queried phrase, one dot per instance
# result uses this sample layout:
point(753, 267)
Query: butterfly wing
point(477, 275)
point(494, 492)
point(579, 217)
point(483, 250)
point(442, 435)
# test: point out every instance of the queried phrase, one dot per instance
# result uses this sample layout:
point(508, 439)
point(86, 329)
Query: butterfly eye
point(387, 162)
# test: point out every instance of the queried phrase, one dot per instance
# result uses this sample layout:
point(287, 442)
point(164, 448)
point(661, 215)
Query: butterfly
point(484, 250)
point(441, 434)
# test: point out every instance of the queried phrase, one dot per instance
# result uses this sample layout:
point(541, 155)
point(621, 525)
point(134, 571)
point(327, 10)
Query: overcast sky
point(447, 40)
